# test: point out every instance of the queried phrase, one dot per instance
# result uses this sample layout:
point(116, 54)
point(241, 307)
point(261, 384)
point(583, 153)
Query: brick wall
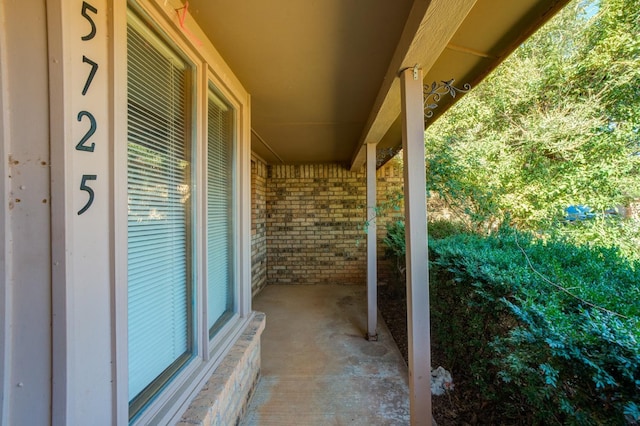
point(223, 400)
point(307, 223)
point(258, 224)
point(315, 215)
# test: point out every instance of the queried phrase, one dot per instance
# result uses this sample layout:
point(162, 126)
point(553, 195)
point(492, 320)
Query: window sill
point(224, 397)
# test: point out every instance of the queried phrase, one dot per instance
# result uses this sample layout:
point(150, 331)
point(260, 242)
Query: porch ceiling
point(323, 73)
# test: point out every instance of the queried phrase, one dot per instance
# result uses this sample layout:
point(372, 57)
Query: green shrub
point(443, 228)
point(395, 245)
point(395, 240)
point(550, 331)
point(553, 329)
point(395, 249)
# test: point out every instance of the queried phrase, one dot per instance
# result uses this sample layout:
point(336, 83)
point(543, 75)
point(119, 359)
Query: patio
point(334, 85)
point(317, 367)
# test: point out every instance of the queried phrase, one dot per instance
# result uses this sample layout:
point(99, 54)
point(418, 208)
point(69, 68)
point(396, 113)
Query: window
point(220, 212)
point(160, 231)
point(183, 227)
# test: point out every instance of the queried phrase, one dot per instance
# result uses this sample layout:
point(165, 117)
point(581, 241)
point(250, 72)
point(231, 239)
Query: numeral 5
point(85, 7)
point(84, 187)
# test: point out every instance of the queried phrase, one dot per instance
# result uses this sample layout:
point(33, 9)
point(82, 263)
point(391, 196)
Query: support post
point(372, 263)
point(416, 247)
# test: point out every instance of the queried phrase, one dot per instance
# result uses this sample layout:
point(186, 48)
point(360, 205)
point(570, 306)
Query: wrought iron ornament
point(433, 95)
point(383, 154)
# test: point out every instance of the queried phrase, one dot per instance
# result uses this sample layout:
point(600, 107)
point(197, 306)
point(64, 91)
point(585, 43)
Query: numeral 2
point(84, 187)
point(92, 129)
point(86, 6)
point(92, 73)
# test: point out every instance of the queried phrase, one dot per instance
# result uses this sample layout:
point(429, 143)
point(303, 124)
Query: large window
point(160, 230)
point(220, 212)
point(183, 229)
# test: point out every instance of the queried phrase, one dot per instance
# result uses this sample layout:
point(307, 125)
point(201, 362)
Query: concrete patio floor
point(317, 367)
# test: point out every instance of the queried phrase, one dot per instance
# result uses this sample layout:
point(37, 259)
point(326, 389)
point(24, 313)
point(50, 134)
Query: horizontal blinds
point(219, 209)
point(159, 229)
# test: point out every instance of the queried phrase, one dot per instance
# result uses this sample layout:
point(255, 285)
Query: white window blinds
point(159, 219)
point(220, 214)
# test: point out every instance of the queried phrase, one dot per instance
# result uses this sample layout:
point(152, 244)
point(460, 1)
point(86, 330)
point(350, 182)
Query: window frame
point(209, 69)
point(223, 332)
point(160, 42)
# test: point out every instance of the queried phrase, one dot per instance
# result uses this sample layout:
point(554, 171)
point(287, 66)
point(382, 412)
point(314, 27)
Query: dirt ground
point(460, 407)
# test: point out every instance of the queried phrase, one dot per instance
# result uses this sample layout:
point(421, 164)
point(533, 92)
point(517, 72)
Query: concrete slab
point(317, 367)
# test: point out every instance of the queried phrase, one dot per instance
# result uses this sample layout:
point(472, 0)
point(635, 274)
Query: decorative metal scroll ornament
point(433, 95)
point(383, 154)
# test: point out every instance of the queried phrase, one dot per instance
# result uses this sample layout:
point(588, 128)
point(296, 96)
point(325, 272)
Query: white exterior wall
point(63, 291)
point(26, 224)
point(82, 245)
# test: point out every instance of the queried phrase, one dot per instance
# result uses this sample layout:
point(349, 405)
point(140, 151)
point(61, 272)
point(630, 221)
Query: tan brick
point(308, 222)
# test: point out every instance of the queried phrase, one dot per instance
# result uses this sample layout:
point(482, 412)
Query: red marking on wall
point(182, 14)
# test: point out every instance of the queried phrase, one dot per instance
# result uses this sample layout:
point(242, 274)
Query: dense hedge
point(550, 331)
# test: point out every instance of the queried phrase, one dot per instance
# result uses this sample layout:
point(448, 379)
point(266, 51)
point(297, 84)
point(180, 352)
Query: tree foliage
point(547, 327)
point(556, 124)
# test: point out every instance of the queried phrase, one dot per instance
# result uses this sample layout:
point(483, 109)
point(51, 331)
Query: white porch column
point(415, 203)
point(372, 262)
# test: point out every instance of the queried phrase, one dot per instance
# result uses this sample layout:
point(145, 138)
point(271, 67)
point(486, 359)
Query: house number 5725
point(87, 12)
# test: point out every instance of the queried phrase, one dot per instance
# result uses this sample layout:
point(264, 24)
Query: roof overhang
point(487, 32)
point(323, 75)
